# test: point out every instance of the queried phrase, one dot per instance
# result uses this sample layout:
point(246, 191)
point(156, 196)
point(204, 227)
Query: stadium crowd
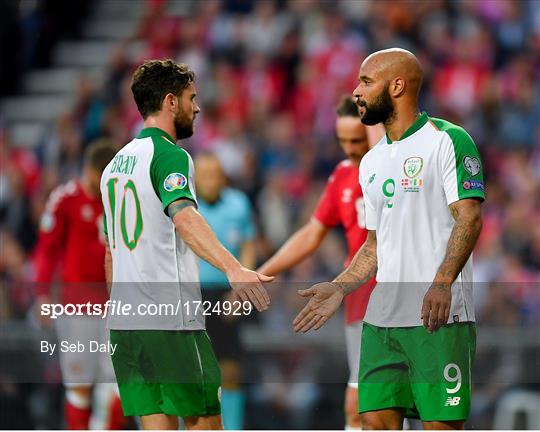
point(269, 74)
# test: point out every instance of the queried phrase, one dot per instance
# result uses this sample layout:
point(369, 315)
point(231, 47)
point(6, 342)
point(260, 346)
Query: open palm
point(325, 300)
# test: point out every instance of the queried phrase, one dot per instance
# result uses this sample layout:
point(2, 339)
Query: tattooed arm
point(362, 268)
point(327, 296)
point(436, 306)
point(468, 216)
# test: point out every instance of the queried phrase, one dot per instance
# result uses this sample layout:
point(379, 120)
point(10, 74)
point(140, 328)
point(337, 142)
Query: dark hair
point(99, 153)
point(347, 107)
point(154, 79)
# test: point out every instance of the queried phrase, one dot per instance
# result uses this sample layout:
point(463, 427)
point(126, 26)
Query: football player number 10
point(132, 237)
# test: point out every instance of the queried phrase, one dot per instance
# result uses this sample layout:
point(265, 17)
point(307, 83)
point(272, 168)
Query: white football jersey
point(154, 270)
point(408, 186)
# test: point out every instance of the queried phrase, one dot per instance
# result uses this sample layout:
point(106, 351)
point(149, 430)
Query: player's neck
point(401, 121)
point(354, 161)
point(209, 199)
point(87, 188)
point(160, 123)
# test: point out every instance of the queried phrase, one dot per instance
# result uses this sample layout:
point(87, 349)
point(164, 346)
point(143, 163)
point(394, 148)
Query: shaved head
point(390, 80)
point(395, 63)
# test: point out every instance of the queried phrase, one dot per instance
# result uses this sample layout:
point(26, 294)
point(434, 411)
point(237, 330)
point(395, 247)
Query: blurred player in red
point(71, 235)
point(341, 204)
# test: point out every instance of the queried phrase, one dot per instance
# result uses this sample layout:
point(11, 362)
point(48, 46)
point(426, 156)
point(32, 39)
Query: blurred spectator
point(19, 182)
point(229, 214)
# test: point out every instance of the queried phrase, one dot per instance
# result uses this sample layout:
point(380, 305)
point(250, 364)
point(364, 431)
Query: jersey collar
point(153, 131)
point(416, 126)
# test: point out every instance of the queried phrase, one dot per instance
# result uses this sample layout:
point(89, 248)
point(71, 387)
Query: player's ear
point(170, 102)
point(397, 87)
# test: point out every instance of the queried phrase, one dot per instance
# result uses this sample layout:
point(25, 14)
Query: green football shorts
point(428, 374)
point(166, 371)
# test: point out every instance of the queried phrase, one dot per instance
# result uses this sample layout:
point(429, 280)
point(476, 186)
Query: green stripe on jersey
point(469, 172)
point(415, 127)
point(170, 170)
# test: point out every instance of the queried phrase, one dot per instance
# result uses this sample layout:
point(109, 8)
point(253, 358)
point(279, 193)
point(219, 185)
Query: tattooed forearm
point(362, 268)
point(179, 205)
point(468, 216)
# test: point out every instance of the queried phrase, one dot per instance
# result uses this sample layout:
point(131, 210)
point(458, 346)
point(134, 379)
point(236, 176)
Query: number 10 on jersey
point(134, 218)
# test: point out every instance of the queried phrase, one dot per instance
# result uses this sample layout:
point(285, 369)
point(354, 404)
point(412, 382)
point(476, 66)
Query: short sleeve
point(327, 210)
point(172, 175)
point(53, 220)
point(461, 167)
point(370, 213)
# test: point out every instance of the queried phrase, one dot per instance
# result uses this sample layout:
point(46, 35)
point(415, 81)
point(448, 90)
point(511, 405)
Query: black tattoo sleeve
point(362, 268)
point(468, 217)
point(177, 206)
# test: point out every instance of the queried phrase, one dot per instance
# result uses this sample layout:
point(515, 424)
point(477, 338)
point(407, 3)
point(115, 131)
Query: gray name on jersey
point(123, 164)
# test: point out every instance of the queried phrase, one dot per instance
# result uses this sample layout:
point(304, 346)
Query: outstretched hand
point(325, 299)
point(248, 286)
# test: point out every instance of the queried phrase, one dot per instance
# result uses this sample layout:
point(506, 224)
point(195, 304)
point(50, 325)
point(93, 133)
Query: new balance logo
point(452, 401)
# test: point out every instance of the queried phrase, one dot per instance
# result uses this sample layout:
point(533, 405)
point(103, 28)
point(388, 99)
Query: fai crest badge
point(412, 166)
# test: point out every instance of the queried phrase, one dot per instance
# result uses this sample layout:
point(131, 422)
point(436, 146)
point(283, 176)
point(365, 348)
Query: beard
point(183, 125)
point(380, 111)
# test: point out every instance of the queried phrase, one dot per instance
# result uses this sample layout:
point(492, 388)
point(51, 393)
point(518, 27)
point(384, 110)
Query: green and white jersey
point(151, 263)
point(408, 186)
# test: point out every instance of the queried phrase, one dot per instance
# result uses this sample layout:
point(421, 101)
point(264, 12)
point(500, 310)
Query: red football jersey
point(342, 203)
point(71, 234)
